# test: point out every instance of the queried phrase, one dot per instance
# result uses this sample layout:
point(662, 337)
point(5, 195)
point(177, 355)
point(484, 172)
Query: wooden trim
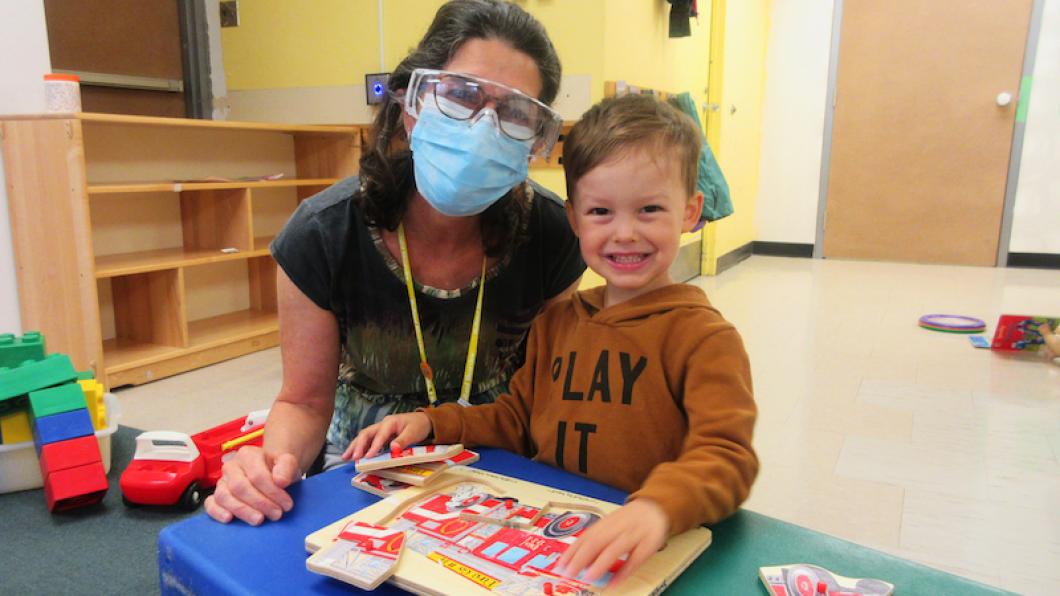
point(51, 235)
point(166, 258)
point(177, 361)
point(126, 119)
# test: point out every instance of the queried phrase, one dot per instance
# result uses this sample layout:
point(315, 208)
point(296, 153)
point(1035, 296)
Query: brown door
point(920, 144)
point(126, 38)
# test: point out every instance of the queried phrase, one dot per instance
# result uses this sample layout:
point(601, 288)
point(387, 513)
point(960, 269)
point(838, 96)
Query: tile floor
point(871, 429)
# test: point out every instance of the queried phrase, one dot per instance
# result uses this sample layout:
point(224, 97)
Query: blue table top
point(200, 556)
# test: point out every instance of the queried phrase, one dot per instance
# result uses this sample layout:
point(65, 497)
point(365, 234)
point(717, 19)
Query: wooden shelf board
point(216, 124)
point(128, 187)
point(230, 327)
point(166, 258)
point(122, 354)
point(188, 122)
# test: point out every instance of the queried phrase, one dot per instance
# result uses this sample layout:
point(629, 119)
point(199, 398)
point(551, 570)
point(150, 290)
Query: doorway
point(922, 129)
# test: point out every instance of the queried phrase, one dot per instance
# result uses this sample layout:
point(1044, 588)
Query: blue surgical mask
point(462, 167)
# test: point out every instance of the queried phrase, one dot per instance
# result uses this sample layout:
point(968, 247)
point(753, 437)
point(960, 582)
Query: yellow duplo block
point(14, 428)
point(94, 400)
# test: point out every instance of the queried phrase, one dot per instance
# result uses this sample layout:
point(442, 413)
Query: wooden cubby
point(142, 243)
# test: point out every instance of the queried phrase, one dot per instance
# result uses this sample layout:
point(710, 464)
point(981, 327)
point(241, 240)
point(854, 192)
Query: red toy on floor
point(172, 468)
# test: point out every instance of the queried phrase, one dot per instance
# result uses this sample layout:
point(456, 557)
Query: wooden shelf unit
point(141, 243)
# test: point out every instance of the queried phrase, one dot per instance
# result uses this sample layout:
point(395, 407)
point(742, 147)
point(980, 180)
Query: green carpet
point(104, 549)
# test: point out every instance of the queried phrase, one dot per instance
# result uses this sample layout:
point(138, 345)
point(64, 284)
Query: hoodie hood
point(589, 304)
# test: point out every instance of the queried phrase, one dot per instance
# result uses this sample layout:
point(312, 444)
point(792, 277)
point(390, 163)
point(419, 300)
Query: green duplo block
point(86, 375)
point(15, 383)
point(64, 398)
point(16, 350)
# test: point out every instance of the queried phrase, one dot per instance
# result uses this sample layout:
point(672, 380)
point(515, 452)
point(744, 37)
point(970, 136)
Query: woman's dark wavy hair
point(387, 178)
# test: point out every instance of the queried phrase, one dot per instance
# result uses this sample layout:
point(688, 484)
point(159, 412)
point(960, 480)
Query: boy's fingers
point(607, 558)
point(641, 552)
point(587, 547)
point(380, 439)
point(360, 444)
point(406, 438)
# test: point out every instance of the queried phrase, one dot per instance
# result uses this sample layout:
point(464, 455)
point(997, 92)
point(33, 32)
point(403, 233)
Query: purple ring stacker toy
point(955, 322)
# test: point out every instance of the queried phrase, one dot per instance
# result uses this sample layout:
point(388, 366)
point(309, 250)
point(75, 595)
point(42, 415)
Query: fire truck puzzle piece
point(409, 455)
point(377, 485)
point(363, 555)
point(425, 473)
point(810, 580)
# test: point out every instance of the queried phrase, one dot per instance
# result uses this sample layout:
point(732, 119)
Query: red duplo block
point(69, 454)
point(75, 487)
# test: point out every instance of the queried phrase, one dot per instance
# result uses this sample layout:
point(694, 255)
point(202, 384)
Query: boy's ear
point(693, 210)
point(568, 206)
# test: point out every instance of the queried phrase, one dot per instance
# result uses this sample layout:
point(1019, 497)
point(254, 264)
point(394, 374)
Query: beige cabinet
point(141, 244)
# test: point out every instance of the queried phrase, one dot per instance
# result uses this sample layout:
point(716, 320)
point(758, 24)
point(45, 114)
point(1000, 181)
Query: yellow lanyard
point(472, 344)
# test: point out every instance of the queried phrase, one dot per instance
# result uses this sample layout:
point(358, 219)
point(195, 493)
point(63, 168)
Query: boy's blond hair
point(619, 124)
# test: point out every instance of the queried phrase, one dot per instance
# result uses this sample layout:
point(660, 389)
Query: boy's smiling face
point(629, 213)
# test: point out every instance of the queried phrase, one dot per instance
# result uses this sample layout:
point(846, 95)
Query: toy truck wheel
point(192, 497)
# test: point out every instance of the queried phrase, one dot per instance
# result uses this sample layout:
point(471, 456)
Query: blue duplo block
point(61, 427)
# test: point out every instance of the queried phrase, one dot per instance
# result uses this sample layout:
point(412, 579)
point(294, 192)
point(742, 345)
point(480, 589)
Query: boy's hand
point(408, 429)
point(638, 528)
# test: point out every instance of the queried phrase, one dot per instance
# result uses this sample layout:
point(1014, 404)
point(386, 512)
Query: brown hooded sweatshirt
point(652, 396)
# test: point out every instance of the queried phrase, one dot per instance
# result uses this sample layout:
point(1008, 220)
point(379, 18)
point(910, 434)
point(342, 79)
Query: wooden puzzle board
point(417, 573)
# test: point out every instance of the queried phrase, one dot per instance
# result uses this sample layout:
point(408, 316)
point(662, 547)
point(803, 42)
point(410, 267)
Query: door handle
point(1004, 98)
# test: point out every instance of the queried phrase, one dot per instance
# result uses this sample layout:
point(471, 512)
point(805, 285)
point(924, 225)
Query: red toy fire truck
point(172, 468)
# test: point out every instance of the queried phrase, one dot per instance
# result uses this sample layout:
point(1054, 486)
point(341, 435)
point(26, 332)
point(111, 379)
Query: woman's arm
point(253, 483)
point(309, 345)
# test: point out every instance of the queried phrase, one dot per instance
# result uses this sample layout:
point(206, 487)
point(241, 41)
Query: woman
point(417, 281)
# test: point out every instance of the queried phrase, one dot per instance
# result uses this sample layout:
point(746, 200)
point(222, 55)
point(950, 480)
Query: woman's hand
point(407, 429)
point(252, 487)
point(638, 528)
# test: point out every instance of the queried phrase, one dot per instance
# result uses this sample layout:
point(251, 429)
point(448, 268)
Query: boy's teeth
point(627, 258)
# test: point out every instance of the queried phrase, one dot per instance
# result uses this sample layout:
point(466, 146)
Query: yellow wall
point(638, 49)
point(746, 27)
point(315, 43)
point(310, 43)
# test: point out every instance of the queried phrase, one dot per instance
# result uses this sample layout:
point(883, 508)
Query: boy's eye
point(653, 208)
point(598, 211)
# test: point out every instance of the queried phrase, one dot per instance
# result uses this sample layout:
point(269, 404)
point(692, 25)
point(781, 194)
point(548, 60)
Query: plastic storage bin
point(19, 469)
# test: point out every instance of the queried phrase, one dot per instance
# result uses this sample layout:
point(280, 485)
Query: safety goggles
point(464, 97)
